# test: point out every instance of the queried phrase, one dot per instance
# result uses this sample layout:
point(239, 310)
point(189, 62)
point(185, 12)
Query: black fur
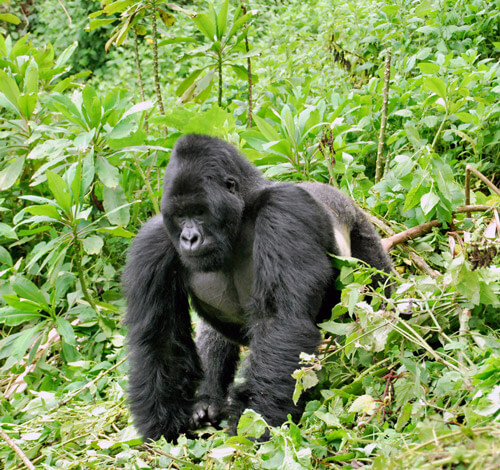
point(251, 256)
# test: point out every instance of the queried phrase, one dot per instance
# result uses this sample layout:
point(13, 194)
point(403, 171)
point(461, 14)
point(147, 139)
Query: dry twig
point(16, 449)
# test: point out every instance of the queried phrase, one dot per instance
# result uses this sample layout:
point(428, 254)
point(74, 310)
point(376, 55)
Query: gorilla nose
point(190, 240)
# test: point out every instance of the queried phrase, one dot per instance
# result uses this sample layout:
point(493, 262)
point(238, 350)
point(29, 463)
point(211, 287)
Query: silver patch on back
point(343, 239)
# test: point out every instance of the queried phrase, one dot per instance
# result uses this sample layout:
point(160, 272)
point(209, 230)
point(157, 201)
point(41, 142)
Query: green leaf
point(60, 191)
point(137, 108)
point(9, 175)
point(176, 40)
point(116, 232)
point(413, 197)
point(31, 78)
point(94, 24)
point(251, 424)
point(119, 6)
point(435, 85)
point(24, 341)
point(222, 19)
point(197, 88)
point(12, 317)
point(65, 329)
point(9, 89)
point(428, 67)
point(187, 82)
point(25, 289)
point(240, 22)
point(428, 202)
point(67, 108)
point(266, 129)
point(93, 245)
point(467, 117)
point(67, 53)
point(167, 18)
point(9, 18)
point(27, 103)
point(108, 174)
point(5, 257)
point(7, 231)
point(45, 209)
point(91, 106)
point(205, 24)
point(74, 175)
point(364, 404)
point(115, 203)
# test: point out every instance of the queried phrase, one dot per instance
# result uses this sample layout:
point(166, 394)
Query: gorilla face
point(202, 216)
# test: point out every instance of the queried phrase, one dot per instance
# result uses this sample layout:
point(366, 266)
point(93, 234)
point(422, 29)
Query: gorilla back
point(252, 256)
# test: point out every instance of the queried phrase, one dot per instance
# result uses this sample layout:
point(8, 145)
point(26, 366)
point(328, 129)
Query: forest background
point(396, 103)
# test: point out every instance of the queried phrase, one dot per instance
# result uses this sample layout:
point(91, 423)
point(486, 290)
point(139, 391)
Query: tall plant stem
point(249, 70)
point(219, 65)
point(155, 61)
point(139, 76)
point(79, 270)
point(439, 130)
point(383, 121)
point(249, 67)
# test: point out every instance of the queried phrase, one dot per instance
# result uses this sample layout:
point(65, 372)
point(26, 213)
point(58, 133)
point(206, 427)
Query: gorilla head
point(203, 200)
point(251, 257)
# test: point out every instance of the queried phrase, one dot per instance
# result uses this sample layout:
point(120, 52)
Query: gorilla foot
point(206, 412)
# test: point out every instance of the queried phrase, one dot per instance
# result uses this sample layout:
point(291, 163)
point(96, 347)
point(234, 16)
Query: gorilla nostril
point(190, 240)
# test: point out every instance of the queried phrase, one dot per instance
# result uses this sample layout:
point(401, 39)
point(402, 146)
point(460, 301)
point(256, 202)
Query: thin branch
point(16, 449)
point(65, 11)
point(155, 61)
point(409, 234)
point(420, 262)
point(174, 458)
point(139, 77)
point(483, 178)
point(219, 68)
point(422, 229)
point(249, 70)
point(89, 384)
point(467, 189)
point(383, 120)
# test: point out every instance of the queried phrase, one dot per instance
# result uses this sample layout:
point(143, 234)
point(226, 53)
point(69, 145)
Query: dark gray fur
point(251, 256)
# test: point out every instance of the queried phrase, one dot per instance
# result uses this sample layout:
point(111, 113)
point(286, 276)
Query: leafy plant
point(225, 40)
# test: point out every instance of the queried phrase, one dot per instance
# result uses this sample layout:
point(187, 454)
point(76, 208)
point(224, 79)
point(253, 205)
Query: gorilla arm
point(164, 365)
point(291, 274)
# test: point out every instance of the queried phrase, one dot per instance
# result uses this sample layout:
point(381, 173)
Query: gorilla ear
point(231, 185)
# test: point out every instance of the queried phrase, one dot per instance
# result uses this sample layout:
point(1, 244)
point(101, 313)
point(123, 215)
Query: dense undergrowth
point(407, 382)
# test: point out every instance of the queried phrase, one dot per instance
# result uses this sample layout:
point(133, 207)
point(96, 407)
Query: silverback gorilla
point(252, 258)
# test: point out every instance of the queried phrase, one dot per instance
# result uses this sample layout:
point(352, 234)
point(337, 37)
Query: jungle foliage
point(93, 95)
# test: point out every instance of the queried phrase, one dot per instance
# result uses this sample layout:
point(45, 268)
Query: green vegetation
point(402, 383)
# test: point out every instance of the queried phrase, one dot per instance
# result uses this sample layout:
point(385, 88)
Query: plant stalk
point(139, 77)
point(155, 61)
point(383, 121)
point(219, 66)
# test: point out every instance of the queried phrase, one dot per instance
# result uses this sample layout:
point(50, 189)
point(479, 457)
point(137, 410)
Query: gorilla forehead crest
point(202, 155)
point(197, 162)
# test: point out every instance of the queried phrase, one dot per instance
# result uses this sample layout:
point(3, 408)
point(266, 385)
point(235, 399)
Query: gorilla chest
point(225, 294)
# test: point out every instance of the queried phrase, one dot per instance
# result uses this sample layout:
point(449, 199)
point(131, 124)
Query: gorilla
point(251, 257)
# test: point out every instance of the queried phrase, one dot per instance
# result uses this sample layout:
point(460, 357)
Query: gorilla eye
point(231, 185)
point(197, 211)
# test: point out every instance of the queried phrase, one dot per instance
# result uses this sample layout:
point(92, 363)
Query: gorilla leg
point(164, 365)
point(275, 348)
point(219, 358)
